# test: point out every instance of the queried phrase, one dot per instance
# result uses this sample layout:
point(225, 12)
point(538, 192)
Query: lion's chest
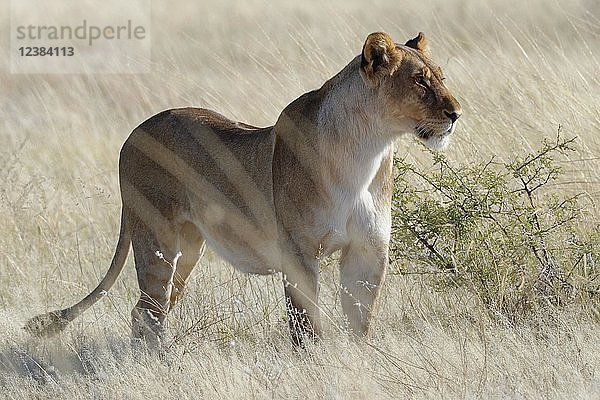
point(345, 219)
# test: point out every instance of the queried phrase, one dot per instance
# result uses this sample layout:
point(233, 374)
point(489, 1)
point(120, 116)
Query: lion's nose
point(452, 115)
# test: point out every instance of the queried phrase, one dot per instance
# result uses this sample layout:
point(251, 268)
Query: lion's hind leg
point(192, 246)
point(155, 263)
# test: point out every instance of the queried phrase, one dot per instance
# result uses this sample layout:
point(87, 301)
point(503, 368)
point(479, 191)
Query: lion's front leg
point(362, 271)
point(301, 286)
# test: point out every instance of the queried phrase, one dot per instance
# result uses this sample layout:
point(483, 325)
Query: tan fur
point(276, 199)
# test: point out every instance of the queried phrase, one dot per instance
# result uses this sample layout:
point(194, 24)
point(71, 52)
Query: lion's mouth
point(426, 133)
point(436, 139)
point(451, 128)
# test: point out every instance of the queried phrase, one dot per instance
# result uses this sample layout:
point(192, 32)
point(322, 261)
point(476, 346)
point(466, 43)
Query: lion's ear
point(419, 43)
point(379, 57)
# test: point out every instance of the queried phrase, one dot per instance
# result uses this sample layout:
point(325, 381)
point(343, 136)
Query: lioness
point(276, 199)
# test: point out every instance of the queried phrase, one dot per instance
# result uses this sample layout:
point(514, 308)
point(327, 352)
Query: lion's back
point(178, 153)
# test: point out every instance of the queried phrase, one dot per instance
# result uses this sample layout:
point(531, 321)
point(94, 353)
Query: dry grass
point(520, 69)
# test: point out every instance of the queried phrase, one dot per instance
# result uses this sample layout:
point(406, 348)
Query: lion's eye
point(422, 81)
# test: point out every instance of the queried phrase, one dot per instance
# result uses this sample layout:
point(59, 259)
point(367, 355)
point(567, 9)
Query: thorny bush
point(500, 229)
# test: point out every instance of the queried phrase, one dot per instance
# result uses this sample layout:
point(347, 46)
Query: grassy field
point(519, 69)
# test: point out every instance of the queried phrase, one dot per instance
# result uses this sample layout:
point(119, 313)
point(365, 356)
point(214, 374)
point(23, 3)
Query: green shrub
point(499, 229)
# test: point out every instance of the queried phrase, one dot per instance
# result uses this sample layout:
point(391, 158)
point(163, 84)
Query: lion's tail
point(53, 322)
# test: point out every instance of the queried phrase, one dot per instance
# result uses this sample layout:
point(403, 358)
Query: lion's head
point(411, 89)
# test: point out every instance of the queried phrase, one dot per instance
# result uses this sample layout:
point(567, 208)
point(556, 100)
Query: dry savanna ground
point(520, 69)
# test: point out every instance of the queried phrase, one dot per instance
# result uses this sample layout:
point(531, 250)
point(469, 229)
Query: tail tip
point(48, 324)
